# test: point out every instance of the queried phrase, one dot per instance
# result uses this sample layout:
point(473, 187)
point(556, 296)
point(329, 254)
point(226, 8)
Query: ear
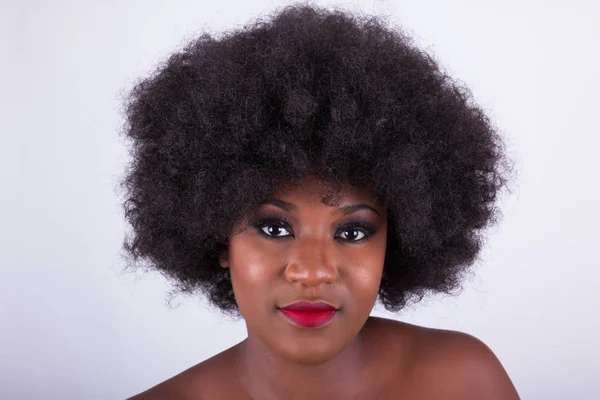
point(224, 258)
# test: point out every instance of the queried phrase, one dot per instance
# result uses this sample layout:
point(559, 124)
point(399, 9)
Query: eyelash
point(282, 221)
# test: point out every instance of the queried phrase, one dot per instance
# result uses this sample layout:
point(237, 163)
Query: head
point(308, 100)
point(304, 245)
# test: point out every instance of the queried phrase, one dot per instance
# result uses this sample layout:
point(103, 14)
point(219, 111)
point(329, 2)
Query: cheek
point(365, 277)
point(252, 269)
point(365, 269)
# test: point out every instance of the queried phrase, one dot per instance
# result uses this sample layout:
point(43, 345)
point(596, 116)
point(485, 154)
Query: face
point(296, 248)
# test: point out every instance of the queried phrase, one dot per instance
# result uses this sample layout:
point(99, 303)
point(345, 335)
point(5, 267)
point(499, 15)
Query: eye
point(353, 235)
point(279, 228)
point(273, 227)
point(355, 231)
point(275, 230)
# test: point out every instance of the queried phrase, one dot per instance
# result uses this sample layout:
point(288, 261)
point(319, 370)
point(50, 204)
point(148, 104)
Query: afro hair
point(224, 122)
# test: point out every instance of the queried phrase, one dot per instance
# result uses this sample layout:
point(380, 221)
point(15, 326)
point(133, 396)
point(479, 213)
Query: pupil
point(274, 230)
point(352, 235)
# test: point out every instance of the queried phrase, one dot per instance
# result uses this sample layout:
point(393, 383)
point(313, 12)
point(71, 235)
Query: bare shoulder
point(206, 380)
point(448, 364)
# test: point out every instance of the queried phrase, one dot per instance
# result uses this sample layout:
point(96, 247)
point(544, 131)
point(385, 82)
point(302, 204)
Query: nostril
point(311, 275)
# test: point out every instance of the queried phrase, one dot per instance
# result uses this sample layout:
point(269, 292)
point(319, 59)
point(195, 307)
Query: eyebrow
point(349, 209)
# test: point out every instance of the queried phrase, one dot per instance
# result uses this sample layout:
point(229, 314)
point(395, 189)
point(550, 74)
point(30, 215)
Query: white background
point(74, 326)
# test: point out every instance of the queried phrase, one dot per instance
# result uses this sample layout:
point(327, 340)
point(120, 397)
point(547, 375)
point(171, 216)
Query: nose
point(311, 263)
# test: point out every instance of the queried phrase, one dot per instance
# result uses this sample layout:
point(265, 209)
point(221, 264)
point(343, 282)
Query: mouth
point(309, 315)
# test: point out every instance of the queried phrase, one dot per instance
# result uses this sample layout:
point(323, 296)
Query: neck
point(266, 375)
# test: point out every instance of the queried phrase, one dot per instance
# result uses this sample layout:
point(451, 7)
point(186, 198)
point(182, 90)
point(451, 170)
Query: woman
point(295, 172)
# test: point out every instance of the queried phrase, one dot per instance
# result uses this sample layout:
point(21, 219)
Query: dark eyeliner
point(366, 227)
point(282, 221)
point(276, 220)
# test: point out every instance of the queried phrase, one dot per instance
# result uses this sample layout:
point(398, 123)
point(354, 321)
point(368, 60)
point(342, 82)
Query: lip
point(308, 314)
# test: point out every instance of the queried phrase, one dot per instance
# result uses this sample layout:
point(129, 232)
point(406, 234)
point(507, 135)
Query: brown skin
point(318, 256)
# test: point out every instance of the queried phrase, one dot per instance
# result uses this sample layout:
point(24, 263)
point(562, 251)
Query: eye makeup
point(283, 222)
point(279, 221)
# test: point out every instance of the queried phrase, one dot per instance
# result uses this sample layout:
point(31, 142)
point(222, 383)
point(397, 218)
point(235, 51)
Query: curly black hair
point(225, 122)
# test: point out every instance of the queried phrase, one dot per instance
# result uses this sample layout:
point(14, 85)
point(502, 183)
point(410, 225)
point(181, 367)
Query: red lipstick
point(309, 315)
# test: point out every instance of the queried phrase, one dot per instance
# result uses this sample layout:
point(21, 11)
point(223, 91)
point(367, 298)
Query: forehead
point(314, 191)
